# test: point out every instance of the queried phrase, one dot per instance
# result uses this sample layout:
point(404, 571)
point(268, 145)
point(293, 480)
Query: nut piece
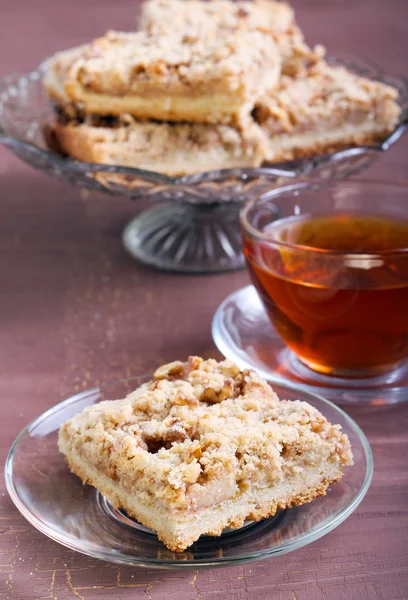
point(243, 485)
point(230, 369)
point(173, 369)
point(194, 363)
point(175, 433)
point(226, 390)
point(158, 67)
point(209, 395)
point(196, 452)
point(182, 400)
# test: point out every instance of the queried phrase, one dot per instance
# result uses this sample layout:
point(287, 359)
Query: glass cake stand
point(193, 225)
point(77, 516)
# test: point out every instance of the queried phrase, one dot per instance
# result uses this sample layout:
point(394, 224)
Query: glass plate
point(242, 332)
point(55, 501)
point(197, 228)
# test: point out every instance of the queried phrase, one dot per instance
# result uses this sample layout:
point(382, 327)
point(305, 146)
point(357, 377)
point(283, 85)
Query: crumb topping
point(202, 426)
point(192, 17)
point(118, 63)
point(325, 93)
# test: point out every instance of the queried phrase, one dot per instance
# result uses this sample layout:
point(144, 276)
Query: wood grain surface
point(75, 311)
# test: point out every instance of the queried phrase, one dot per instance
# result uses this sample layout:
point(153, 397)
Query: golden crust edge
point(320, 149)
point(72, 142)
point(75, 142)
point(265, 511)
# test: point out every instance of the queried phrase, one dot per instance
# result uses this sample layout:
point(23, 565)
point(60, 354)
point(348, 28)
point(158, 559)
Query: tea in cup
point(330, 263)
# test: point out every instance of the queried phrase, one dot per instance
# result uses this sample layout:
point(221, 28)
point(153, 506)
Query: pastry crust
point(192, 17)
point(174, 149)
point(201, 78)
point(201, 447)
point(329, 109)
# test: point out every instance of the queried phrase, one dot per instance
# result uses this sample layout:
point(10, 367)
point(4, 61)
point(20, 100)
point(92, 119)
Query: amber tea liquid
point(344, 314)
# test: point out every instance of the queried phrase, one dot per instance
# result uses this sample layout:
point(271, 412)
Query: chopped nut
point(197, 453)
point(189, 39)
point(159, 67)
point(182, 400)
point(243, 485)
point(226, 390)
point(209, 395)
point(230, 370)
point(242, 12)
point(194, 363)
point(173, 369)
point(176, 433)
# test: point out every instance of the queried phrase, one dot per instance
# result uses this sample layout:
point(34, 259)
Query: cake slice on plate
point(201, 447)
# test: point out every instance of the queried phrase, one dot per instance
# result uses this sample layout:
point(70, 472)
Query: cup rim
point(306, 183)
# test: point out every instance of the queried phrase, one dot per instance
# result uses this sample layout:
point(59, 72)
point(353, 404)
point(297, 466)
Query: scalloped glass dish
point(77, 516)
point(196, 228)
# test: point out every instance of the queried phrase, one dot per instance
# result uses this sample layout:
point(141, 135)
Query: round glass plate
point(55, 501)
point(196, 228)
point(242, 332)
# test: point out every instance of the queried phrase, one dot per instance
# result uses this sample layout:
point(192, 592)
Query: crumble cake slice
point(329, 109)
point(174, 77)
point(201, 447)
point(174, 149)
point(272, 17)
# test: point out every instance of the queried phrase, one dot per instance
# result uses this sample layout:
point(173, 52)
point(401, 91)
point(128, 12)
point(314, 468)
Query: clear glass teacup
point(330, 262)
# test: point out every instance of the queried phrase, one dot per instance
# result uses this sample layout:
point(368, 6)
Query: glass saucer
point(242, 332)
point(55, 501)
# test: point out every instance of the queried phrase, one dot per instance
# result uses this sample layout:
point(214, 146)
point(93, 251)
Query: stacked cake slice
point(325, 111)
point(209, 85)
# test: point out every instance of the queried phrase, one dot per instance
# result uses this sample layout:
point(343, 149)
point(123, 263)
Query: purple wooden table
point(75, 311)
